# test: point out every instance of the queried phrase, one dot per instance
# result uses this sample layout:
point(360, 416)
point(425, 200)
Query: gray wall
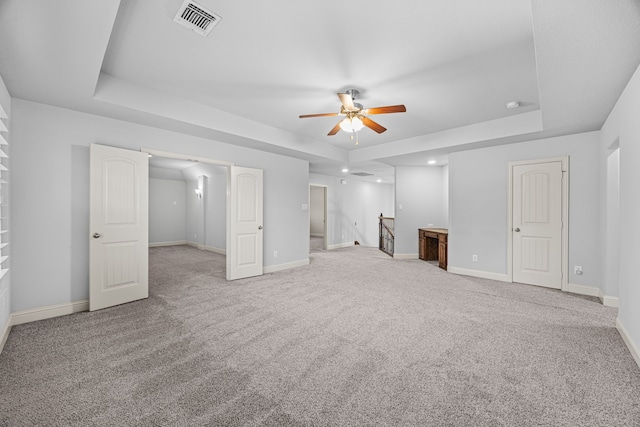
point(216, 208)
point(207, 217)
point(623, 127)
point(51, 218)
point(421, 192)
point(195, 227)
point(167, 210)
point(316, 211)
point(353, 209)
point(479, 183)
point(611, 219)
point(5, 283)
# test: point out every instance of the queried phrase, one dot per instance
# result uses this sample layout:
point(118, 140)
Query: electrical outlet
point(577, 270)
point(474, 258)
point(275, 253)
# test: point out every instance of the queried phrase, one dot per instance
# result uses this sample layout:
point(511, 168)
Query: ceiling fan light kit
point(356, 115)
point(351, 124)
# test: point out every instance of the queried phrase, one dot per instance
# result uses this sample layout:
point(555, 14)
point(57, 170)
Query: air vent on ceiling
point(361, 174)
point(196, 17)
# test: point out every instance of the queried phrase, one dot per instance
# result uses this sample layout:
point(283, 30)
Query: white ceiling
point(453, 63)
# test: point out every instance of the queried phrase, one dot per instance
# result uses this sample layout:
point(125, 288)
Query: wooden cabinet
point(433, 245)
point(442, 250)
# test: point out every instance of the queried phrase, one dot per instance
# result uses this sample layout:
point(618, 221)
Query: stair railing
point(386, 234)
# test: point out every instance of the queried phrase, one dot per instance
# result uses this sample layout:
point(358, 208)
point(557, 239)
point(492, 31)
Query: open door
point(245, 235)
point(119, 229)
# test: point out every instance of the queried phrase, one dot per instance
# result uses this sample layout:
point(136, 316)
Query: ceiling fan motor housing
point(353, 93)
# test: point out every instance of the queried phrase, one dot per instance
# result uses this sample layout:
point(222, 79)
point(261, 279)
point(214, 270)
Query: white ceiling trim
point(118, 92)
point(520, 124)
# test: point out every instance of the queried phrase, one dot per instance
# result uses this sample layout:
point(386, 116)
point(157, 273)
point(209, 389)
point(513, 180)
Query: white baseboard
point(176, 243)
point(206, 248)
point(608, 300)
point(47, 312)
point(340, 245)
point(317, 235)
point(216, 250)
point(405, 256)
point(633, 348)
point(583, 289)
point(41, 313)
point(5, 334)
point(478, 273)
point(285, 266)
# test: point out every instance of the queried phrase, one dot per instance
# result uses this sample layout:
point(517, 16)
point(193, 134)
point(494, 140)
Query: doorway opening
point(119, 220)
point(198, 230)
point(188, 204)
point(318, 224)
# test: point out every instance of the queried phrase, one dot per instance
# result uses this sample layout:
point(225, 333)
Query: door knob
point(97, 235)
point(259, 227)
point(517, 230)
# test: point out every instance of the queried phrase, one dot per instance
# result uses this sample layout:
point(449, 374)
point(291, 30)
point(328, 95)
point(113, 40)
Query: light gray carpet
point(316, 244)
point(355, 339)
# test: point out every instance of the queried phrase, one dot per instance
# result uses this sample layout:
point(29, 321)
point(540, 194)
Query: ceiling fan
point(356, 115)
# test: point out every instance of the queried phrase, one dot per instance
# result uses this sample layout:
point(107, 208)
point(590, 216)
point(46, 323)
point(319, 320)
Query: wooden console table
point(432, 245)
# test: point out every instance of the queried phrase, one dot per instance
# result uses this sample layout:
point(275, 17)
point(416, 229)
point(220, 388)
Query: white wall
point(316, 211)
point(353, 209)
point(611, 219)
point(422, 193)
point(167, 210)
point(5, 282)
point(478, 203)
point(195, 226)
point(623, 126)
point(216, 208)
point(207, 217)
point(51, 218)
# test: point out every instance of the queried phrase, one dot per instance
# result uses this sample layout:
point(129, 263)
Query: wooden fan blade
point(335, 130)
point(386, 110)
point(347, 102)
point(305, 116)
point(372, 125)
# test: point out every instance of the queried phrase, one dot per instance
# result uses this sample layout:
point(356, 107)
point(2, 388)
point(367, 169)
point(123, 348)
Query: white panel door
point(244, 258)
point(119, 229)
point(537, 224)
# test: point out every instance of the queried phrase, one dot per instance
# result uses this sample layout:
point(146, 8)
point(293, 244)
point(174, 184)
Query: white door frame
point(325, 244)
point(565, 216)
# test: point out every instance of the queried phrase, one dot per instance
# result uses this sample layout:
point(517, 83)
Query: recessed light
point(512, 104)
point(345, 170)
point(431, 162)
point(378, 180)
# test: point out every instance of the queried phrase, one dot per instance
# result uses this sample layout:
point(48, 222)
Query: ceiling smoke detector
point(196, 18)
